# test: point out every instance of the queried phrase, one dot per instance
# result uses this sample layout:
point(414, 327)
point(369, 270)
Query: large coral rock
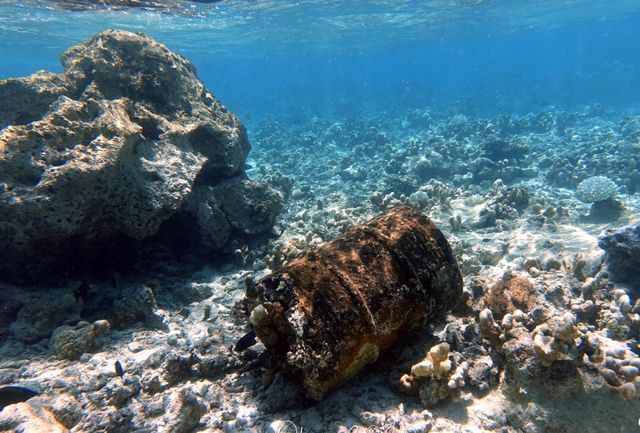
point(110, 148)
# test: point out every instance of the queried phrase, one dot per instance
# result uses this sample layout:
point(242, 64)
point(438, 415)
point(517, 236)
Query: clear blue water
point(338, 58)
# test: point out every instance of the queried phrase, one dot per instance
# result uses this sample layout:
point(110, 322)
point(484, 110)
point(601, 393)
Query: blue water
point(284, 58)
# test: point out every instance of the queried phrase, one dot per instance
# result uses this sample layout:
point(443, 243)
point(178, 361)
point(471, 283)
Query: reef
point(544, 335)
point(125, 144)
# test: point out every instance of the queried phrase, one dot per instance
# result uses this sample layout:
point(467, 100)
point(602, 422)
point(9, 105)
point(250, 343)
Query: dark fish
point(13, 394)
point(246, 341)
point(82, 292)
point(119, 368)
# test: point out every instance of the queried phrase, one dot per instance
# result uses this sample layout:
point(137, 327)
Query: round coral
point(597, 188)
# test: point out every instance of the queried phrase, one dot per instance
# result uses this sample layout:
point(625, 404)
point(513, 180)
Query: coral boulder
point(109, 149)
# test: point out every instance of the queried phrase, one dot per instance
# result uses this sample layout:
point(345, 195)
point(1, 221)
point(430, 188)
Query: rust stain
point(337, 308)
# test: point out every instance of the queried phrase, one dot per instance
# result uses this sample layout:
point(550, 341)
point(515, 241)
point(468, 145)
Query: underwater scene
point(320, 216)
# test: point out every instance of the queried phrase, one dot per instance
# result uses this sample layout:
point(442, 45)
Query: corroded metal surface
point(327, 314)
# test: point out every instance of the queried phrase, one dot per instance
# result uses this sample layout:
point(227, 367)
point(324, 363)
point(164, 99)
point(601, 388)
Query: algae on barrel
point(334, 310)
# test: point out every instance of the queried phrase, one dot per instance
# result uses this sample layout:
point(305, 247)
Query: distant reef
point(125, 146)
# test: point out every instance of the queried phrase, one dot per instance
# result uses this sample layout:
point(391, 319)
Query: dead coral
point(510, 293)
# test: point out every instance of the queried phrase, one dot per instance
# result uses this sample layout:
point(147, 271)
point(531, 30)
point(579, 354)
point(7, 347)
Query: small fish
point(246, 341)
point(13, 394)
point(119, 369)
point(82, 291)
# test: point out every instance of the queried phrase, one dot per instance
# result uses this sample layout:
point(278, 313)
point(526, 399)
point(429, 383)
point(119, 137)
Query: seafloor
point(518, 217)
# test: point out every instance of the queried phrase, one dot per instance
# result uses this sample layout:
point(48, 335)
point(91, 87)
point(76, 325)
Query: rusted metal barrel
point(330, 312)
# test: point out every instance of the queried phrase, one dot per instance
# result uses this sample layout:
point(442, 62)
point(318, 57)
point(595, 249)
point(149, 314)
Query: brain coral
point(596, 188)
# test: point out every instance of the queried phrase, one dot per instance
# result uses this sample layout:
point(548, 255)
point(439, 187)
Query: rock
point(433, 391)
point(9, 375)
point(539, 360)
point(334, 310)
point(432, 167)
point(110, 420)
point(238, 205)
point(214, 229)
point(605, 211)
point(419, 427)
point(521, 362)
point(214, 366)
point(9, 308)
point(497, 149)
point(281, 394)
point(630, 128)
point(70, 342)
point(183, 411)
point(623, 252)
point(112, 148)
point(40, 315)
point(177, 367)
point(66, 409)
point(120, 421)
point(138, 304)
point(192, 292)
point(30, 418)
point(480, 375)
point(250, 206)
point(119, 391)
point(152, 383)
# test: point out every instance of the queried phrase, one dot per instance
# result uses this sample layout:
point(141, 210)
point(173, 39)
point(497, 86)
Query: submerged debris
point(334, 310)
